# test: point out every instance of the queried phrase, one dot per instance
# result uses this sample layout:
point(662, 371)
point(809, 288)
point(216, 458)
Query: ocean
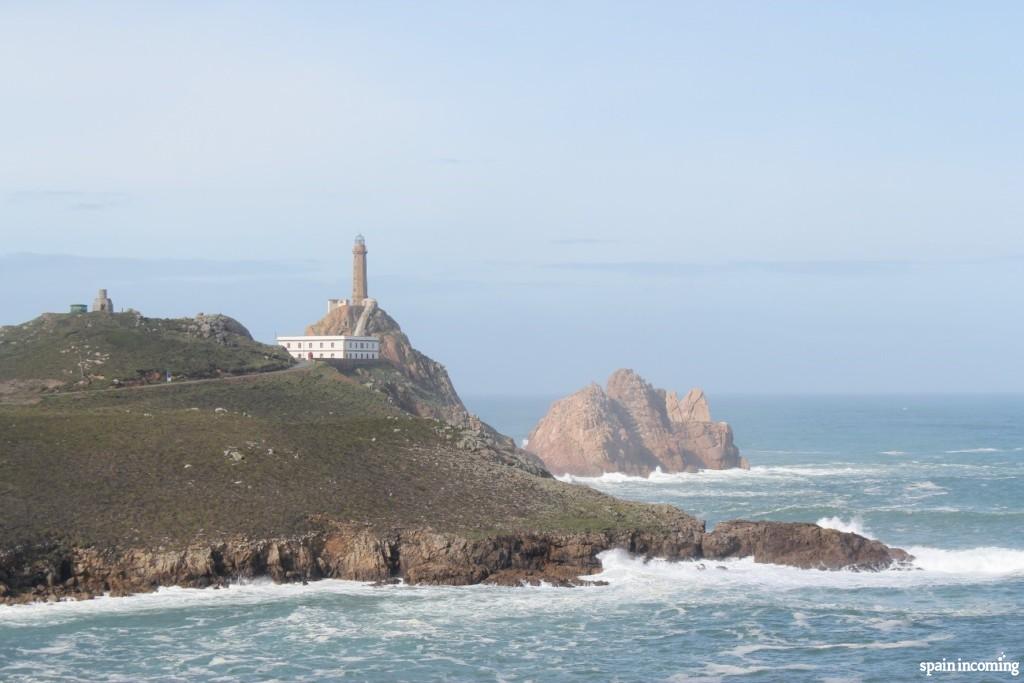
point(941, 476)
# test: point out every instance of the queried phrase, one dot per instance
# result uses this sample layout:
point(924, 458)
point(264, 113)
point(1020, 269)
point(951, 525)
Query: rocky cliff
point(632, 427)
point(51, 572)
point(413, 381)
point(420, 385)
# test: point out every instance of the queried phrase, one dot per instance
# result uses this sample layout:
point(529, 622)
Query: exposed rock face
point(218, 327)
point(427, 390)
point(807, 546)
point(633, 428)
point(415, 382)
point(422, 557)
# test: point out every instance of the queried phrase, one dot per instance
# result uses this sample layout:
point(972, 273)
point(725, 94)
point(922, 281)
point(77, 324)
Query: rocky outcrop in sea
point(633, 428)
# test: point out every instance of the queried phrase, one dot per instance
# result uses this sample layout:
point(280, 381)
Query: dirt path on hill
point(25, 398)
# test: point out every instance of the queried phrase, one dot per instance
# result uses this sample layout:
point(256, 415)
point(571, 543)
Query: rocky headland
point(252, 466)
point(62, 352)
point(633, 428)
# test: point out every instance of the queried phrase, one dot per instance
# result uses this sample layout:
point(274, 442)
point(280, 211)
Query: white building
point(327, 347)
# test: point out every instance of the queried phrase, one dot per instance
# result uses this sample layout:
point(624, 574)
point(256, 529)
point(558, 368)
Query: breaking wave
point(930, 566)
point(854, 526)
point(986, 561)
point(619, 569)
point(977, 450)
point(252, 592)
point(756, 472)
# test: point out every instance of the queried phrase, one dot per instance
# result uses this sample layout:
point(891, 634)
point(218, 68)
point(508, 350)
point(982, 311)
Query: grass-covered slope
point(264, 455)
point(93, 350)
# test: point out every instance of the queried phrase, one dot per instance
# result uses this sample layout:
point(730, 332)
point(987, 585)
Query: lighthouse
point(359, 271)
point(354, 314)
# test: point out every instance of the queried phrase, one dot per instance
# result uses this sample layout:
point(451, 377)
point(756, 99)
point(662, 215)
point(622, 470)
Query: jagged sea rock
point(633, 428)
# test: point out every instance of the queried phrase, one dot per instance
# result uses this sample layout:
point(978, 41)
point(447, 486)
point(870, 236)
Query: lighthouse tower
point(359, 271)
point(342, 337)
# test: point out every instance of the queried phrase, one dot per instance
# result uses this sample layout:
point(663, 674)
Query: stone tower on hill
point(359, 291)
point(102, 302)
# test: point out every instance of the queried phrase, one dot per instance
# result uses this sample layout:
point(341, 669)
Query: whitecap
point(977, 450)
point(854, 526)
point(924, 489)
point(173, 597)
point(744, 650)
point(986, 561)
point(733, 670)
point(931, 566)
point(766, 472)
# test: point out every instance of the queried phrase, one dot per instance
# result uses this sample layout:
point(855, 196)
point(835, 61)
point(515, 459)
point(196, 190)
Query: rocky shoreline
point(378, 475)
point(52, 572)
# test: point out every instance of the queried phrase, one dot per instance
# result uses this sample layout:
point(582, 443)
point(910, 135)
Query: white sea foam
point(976, 450)
point(762, 472)
point(925, 489)
point(172, 597)
point(854, 526)
point(986, 561)
point(931, 566)
point(892, 452)
point(733, 670)
point(744, 650)
point(632, 580)
point(925, 486)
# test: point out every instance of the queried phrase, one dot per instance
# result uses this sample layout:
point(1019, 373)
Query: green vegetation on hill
point(264, 455)
point(92, 350)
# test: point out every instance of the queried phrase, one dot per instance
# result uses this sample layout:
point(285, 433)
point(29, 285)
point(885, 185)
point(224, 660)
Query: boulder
point(807, 546)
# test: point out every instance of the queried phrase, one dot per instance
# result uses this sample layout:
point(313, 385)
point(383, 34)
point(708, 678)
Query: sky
point(786, 197)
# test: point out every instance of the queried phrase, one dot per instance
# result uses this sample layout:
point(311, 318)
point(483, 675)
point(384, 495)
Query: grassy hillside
point(263, 455)
point(93, 350)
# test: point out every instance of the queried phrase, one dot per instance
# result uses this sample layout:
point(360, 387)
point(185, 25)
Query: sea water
point(942, 477)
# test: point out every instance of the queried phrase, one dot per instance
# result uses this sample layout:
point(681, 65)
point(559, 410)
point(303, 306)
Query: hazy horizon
point(788, 198)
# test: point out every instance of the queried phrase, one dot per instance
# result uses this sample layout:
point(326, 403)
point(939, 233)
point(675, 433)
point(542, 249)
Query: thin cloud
point(579, 241)
point(167, 270)
point(69, 199)
point(680, 268)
